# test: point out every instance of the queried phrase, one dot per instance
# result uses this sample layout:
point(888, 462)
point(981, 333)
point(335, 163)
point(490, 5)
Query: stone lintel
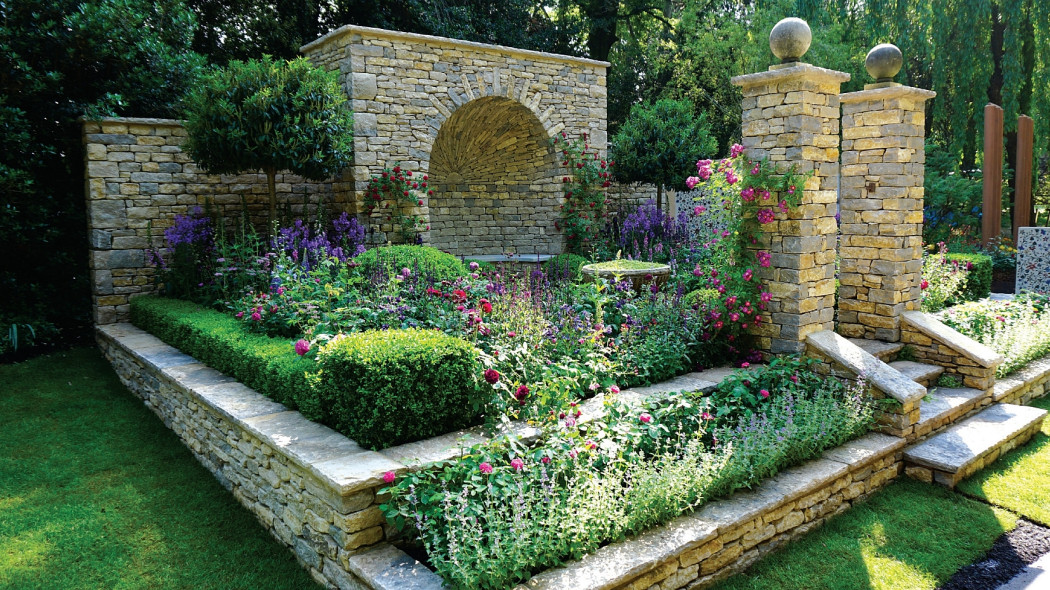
point(887, 93)
point(373, 33)
point(800, 70)
point(136, 121)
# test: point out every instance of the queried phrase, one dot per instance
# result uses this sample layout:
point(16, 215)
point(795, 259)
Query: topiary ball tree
point(270, 115)
point(660, 143)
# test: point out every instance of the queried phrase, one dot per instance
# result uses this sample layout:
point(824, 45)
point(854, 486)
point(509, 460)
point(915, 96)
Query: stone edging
point(434, 40)
point(1024, 385)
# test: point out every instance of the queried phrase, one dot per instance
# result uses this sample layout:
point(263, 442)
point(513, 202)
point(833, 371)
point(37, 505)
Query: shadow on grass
point(95, 492)
point(909, 536)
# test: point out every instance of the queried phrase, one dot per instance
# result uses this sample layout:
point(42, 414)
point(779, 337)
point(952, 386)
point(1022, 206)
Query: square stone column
point(883, 166)
point(791, 117)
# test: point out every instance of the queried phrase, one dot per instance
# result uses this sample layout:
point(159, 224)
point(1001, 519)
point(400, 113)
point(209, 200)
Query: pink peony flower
point(645, 418)
point(389, 477)
point(240, 314)
point(491, 376)
point(731, 177)
point(517, 464)
point(485, 468)
point(473, 266)
point(691, 182)
point(522, 392)
point(256, 317)
point(302, 347)
point(764, 393)
point(736, 150)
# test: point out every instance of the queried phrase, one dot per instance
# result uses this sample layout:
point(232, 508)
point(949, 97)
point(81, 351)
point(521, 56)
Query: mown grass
point(1019, 480)
point(909, 536)
point(95, 492)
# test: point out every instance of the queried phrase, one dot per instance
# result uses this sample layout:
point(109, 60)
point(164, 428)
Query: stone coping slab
point(954, 449)
point(373, 33)
point(918, 372)
point(887, 93)
point(1034, 371)
point(783, 74)
point(964, 345)
point(883, 377)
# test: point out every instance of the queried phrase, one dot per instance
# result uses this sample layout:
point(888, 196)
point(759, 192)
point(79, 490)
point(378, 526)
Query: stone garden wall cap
point(883, 62)
point(790, 38)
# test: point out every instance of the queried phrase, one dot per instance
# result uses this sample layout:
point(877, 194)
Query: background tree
point(660, 143)
point(59, 60)
point(270, 115)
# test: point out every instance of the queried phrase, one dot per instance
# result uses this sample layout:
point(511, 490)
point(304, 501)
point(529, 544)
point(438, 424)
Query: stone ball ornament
point(790, 39)
point(883, 62)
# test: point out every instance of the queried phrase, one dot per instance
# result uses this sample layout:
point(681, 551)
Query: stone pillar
point(791, 117)
point(883, 164)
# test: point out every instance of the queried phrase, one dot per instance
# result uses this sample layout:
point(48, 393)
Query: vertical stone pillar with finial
point(883, 160)
point(791, 117)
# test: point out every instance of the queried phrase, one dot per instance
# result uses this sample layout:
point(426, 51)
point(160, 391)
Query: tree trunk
point(659, 197)
point(271, 184)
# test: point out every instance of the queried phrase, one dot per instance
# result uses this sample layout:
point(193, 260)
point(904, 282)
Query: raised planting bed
point(317, 491)
point(640, 273)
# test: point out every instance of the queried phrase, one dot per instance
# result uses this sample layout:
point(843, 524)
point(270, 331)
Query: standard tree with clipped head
point(660, 143)
point(270, 115)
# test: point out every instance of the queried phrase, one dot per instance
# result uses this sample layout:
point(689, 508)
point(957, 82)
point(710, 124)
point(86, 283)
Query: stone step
point(921, 373)
point(884, 351)
point(943, 406)
point(953, 455)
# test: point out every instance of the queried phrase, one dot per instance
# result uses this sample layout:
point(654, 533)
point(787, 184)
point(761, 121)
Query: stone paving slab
point(389, 568)
point(942, 402)
point(197, 375)
point(918, 372)
point(877, 348)
point(965, 442)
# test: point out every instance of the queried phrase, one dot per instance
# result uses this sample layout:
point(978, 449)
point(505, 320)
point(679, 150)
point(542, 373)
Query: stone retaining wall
point(1024, 385)
point(138, 178)
point(312, 488)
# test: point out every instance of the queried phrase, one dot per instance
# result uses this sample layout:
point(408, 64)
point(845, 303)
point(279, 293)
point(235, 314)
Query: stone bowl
point(639, 273)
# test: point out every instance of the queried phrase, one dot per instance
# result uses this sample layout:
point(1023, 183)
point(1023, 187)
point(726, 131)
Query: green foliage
point(585, 182)
point(62, 59)
point(391, 259)
point(565, 265)
point(978, 284)
point(498, 514)
point(702, 297)
point(388, 387)
point(267, 365)
point(660, 140)
point(953, 200)
point(1018, 329)
point(270, 115)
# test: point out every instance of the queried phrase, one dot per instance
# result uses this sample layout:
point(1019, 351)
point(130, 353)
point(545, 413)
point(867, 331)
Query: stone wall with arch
point(477, 119)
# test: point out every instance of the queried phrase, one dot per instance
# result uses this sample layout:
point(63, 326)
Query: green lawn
point(1020, 480)
point(95, 492)
point(909, 536)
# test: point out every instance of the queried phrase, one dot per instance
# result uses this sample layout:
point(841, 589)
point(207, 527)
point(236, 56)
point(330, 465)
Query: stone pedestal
point(791, 117)
point(880, 254)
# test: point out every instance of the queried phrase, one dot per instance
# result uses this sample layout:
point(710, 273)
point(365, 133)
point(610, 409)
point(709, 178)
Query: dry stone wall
point(138, 178)
point(458, 111)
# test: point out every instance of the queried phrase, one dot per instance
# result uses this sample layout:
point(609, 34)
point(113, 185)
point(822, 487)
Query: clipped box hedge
point(979, 279)
point(396, 386)
point(378, 388)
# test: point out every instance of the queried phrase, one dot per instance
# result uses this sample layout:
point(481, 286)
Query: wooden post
point(991, 224)
point(1023, 196)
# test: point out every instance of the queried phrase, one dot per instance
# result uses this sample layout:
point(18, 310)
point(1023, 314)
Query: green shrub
point(702, 297)
point(267, 365)
point(564, 265)
point(442, 265)
point(395, 386)
point(978, 279)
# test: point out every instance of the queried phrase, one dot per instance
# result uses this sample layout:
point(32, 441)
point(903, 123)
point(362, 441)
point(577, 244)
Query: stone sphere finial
point(883, 62)
point(790, 38)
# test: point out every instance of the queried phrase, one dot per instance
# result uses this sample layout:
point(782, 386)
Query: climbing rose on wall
point(585, 198)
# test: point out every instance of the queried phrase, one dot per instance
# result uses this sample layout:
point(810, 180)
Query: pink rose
point(691, 182)
point(517, 464)
point(645, 418)
point(764, 393)
point(302, 347)
point(485, 468)
point(389, 477)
